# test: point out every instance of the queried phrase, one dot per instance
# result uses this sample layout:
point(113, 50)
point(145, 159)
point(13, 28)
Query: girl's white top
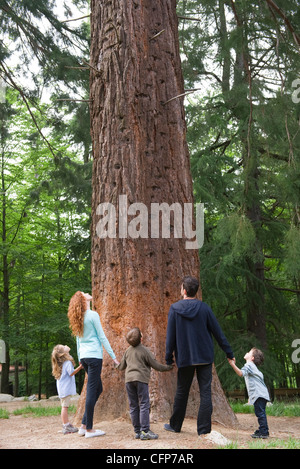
point(66, 385)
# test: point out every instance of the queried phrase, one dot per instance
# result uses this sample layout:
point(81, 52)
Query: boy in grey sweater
point(137, 362)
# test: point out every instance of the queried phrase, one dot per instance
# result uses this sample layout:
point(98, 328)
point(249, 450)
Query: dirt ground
point(20, 432)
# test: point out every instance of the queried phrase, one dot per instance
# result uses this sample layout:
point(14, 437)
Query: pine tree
point(244, 141)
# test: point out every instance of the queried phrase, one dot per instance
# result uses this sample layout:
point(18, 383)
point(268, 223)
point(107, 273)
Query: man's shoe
point(168, 427)
point(149, 435)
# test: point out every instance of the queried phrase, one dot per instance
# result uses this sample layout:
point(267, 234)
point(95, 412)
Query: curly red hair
point(76, 310)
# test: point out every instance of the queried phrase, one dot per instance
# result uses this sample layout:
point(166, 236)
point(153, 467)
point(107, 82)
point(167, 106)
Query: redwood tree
point(140, 151)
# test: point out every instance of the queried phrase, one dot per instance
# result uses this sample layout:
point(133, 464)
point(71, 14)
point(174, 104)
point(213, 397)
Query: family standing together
point(190, 331)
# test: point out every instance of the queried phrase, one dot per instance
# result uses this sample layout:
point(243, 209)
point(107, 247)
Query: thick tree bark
point(140, 151)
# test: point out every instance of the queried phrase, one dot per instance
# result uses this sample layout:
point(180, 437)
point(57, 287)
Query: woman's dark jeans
point(92, 367)
point(184, 380)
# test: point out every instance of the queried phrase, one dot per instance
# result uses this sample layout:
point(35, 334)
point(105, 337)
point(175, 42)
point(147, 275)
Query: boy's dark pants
point(260, 412)
point(92, 367)
point(139, 405)
point(184, 380)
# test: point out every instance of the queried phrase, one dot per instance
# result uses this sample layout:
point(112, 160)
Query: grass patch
point(4, 414)
point(277, 409)
point(291, 443)
point(40, 411)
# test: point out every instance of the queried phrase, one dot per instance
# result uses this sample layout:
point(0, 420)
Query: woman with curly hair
point(86, 326)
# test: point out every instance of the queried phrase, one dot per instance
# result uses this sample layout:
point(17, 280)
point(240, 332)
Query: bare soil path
point(21, 432)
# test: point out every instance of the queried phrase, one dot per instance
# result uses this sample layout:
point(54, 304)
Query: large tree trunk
point(140, 151)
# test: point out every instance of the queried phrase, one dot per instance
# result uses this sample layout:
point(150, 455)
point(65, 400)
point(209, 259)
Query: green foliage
point(46, 182)
point(4, 414)
point(47, 243)
point(244, 140)
point(292, 257)
point(238, 233)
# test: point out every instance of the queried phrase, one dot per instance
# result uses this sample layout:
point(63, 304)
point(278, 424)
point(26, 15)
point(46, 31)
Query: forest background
point(241, 67)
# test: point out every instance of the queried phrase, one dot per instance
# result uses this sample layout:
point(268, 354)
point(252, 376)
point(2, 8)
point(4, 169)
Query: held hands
point(116, 362)
point(234, 367)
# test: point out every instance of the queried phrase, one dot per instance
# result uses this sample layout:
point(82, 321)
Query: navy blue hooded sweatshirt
point(191, 325)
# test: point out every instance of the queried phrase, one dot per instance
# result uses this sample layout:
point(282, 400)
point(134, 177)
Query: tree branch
point(274, 6)
point(181, 95)
point(76, 19)
point(16, 87)
point(188, 18)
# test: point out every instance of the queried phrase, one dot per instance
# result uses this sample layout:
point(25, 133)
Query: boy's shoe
point(68, 428)
point(137, 435)
point(257, 434)
point(149, 435)
point(82, 431)
point(94, 433)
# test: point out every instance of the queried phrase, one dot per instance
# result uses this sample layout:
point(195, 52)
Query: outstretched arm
point(235, 368)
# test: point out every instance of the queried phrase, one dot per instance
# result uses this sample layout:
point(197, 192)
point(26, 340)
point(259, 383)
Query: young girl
point(62, 368)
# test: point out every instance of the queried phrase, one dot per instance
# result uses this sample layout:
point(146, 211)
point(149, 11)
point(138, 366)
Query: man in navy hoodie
point(191, 325)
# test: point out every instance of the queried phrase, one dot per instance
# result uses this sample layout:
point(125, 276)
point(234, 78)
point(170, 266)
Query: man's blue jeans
point(92, 367)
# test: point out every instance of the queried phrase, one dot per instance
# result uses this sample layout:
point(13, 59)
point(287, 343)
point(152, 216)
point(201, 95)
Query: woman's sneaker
point(149, 435)
point(94, 433)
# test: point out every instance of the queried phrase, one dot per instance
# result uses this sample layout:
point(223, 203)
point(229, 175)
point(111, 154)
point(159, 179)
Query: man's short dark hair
point(134, 337)
point(190, 285)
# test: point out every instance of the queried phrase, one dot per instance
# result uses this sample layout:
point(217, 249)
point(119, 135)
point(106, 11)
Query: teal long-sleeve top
point(90, 345)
